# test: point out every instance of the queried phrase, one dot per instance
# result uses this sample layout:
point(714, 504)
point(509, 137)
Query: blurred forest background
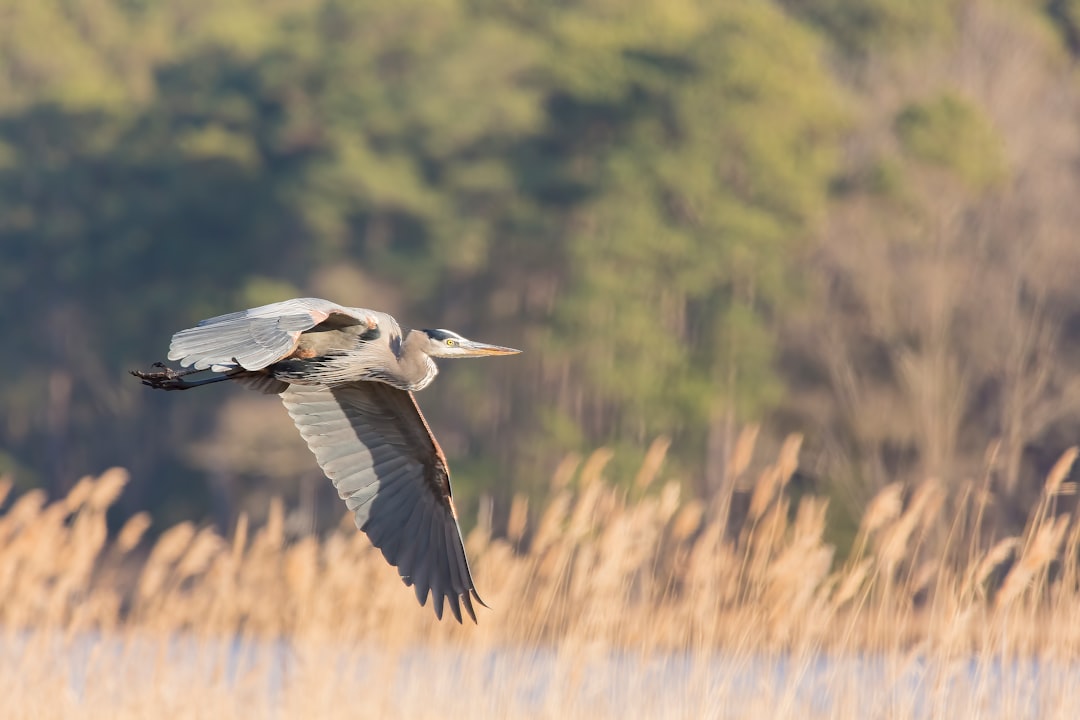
point(852, 219)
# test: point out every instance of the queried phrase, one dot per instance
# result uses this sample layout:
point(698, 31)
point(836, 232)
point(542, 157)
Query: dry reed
point(599, 570)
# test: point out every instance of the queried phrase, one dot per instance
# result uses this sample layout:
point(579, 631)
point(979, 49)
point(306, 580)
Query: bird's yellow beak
point(475, 349)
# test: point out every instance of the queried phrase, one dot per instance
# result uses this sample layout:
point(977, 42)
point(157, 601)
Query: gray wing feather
point(258, 337)
point(373, 444)
point(259, 382)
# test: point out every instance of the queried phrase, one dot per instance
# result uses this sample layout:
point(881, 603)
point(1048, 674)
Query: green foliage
point(710, 166)
point(864, 27)
point(950, 132)
point(886, 178)
point(177, 160)
point(77, 55)
point(627, 190)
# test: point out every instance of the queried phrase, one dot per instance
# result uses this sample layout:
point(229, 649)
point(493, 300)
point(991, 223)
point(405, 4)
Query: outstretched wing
point(372, 442)
point(255, 338)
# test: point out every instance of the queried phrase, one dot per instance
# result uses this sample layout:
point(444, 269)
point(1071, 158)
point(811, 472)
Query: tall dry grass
point(634, 574)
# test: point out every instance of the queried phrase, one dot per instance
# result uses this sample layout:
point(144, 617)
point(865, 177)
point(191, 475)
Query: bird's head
point(447, 344)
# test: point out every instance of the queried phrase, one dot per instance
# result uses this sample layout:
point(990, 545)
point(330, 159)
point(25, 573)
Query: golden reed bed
point(610, 601)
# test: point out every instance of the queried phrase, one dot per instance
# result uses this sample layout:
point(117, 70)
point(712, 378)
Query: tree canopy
point(691, 215)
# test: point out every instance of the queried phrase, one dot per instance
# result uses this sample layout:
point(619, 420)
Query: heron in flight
point(347, 377)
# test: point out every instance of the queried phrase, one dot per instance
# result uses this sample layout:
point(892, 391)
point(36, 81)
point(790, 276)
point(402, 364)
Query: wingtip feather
point(467, 602)
point(437, 604)
point(455, 606)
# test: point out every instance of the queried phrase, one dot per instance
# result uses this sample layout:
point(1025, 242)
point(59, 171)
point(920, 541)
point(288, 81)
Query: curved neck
point(415, 366)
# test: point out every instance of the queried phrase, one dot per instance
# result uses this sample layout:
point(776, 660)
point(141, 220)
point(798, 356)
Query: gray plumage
point(394, 478)
point(347, 376)
point(255, 338)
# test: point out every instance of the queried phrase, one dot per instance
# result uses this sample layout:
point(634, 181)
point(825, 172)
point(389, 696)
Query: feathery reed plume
point(851, 581)
point(593, 469)
point(1060, 471)
point(301, 567)
point(584, 515)
point(883, 509)
point(654, 459)
point(206, 546)
point(743, 451)
point(565, 471)
point(798, 571)
point(894, 543)
point(549, 528)
point(1070, 559)
point(788, 461)
point(1055, 480)
point(669, 501)
point(79, 493)
point(272, 536)
point(772, 480)
point(132, 532)
point(609, 573)
point(764, 490)
point(1042, 549)
point(239, 542)
point(23, 511)
point(169, 547)
point(108, 487)
point(997, 555)
point(687, 521)
point(519, 515)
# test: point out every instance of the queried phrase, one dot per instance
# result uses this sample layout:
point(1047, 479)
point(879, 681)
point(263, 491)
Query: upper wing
point(372, 442)
point(260, 336)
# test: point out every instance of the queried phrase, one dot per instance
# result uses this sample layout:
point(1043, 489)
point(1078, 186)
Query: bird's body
point(347, 376)
point(309, 341)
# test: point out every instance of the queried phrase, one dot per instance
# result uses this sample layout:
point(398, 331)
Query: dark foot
point(166, 378)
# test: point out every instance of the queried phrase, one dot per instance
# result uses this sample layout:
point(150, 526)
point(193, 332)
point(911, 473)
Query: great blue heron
point(347, 377)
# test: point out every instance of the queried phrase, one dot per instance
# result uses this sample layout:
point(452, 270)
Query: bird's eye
point(450, 342)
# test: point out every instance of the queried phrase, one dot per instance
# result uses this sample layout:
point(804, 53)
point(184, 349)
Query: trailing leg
point(169, 379)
